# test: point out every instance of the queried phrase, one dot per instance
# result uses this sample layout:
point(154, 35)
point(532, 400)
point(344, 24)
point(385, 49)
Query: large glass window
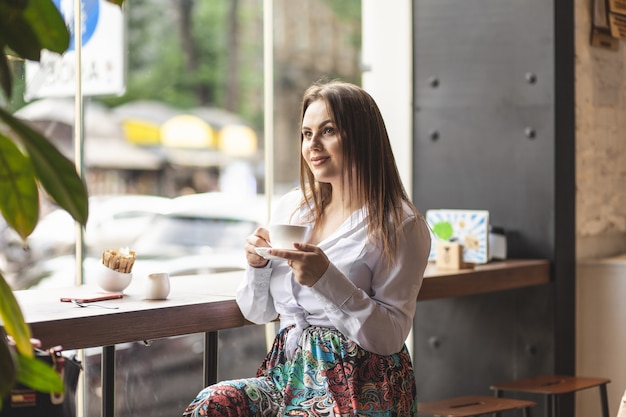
point(189, 119)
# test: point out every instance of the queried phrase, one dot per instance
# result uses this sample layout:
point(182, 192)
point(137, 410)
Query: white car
point(199, 233)
point(114, 221)
point(203, 223)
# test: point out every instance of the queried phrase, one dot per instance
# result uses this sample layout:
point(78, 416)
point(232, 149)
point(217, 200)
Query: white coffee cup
point(283, 236)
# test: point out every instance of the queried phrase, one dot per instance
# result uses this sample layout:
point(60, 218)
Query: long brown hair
point(371, 167)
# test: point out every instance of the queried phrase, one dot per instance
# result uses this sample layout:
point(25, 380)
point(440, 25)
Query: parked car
point(198, 233)
point(114, 221)
point(204, 223)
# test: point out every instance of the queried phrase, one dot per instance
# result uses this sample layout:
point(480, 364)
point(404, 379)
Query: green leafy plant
point(28, 160)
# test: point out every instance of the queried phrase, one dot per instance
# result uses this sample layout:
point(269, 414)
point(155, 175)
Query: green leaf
point(56, 173)
point(443, 230)
point(48, 25)
point(118, 2)
point(20, 36)
point(8, 371)
point(38, 375)
point(9, 11)
point(13, 321)
point(20, 197)
point(6, 78)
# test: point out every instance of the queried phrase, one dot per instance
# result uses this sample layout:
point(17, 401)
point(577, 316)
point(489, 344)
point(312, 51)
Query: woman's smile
point(318, 160)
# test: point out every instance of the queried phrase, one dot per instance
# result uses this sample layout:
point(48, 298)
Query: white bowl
point(111, 280)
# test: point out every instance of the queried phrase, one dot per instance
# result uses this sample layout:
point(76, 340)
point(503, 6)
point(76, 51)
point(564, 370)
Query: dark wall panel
point(484, 138)
point(484, 113)
point(481, 160)
point(465, 344)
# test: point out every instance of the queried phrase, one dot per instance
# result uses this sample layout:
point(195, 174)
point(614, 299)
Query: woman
point(345, 297)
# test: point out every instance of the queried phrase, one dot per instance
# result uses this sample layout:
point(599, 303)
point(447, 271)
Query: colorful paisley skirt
point(328, 376)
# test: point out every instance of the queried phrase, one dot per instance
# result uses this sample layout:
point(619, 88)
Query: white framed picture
point(470, 228)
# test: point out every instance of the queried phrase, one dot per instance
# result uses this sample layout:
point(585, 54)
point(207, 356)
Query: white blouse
point(371, 303)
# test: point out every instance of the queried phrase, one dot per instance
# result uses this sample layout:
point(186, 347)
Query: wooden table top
point(551, 384)
point(490, 277)
point(196, 304)
point(205, 303)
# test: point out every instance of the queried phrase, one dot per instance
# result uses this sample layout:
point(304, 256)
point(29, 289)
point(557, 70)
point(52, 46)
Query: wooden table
point(196, 304)
point(206, 304)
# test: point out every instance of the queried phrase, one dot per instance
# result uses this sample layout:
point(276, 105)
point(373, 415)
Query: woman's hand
point(258, 239)
point(35, 342)
point(308, 262)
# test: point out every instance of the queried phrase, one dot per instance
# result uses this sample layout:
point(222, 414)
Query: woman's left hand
point(308, 262)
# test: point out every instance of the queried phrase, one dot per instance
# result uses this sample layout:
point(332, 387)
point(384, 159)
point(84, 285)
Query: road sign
point(102, 55)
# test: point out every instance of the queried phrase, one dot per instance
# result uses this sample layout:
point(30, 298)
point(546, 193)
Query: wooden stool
point(553, 385)
point(473, 405)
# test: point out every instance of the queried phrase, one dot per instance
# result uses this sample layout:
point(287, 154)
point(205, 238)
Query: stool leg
point(526, 412)
point(604, 401)
point(550, 406)
point(497, 393)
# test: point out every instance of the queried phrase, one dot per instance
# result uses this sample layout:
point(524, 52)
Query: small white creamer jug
point(158, 286)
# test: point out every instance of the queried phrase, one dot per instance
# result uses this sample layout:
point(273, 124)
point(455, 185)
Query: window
point(188, 120)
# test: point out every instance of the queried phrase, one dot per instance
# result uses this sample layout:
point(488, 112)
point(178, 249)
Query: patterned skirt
point(328, 376)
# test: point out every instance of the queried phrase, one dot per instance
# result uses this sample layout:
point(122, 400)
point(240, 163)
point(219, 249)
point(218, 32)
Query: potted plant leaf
point(29, 161)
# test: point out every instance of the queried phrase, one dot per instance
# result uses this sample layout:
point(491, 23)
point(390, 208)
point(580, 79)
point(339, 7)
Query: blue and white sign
point(90, 15)
point(102, 55)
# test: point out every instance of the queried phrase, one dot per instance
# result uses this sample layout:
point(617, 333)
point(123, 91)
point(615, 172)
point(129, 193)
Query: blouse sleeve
point(253, 295)
point(379, 323)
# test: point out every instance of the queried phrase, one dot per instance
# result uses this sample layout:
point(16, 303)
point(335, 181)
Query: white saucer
point(263, 252)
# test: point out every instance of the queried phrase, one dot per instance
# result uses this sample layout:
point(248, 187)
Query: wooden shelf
point(491, 277)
